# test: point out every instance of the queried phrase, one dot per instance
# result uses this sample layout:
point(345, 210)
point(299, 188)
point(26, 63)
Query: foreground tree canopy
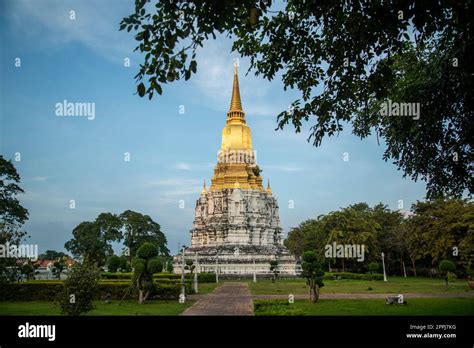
point(346, 58)
point(12, 216)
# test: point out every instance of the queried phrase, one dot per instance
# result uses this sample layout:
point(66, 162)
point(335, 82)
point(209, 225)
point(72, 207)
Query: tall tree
point(353, 226)
point(12, 215)
point(443, 229)
point(91, 240)
point(345, 59)
point(141, 229)
point(308, 236)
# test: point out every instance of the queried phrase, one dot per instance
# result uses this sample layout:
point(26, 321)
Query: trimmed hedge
point(358, 276)
point(202, 277)
point(206, 277)
point(48, 290)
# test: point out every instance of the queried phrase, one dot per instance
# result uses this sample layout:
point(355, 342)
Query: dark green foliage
point(113, 263)
point(373, 267)
point(206, 277)
point(274, 269)
point(144, 265)
point(48, 290)
point(413, 244)
point(446, 267)
point(28, 270)
point(155, 266)
point(140, 229)
point(344, 59)
point(92, 240)
point(79, 290)
point(313, 273)
point(257, 171)
point(12, 217)
point(52, 255)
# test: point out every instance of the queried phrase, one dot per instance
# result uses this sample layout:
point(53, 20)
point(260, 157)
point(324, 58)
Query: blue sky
point(73, 158)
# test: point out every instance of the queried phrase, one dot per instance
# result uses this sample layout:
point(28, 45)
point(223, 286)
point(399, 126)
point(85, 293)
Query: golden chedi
point(236, 228)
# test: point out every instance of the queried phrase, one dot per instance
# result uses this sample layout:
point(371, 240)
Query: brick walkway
point(227, 299)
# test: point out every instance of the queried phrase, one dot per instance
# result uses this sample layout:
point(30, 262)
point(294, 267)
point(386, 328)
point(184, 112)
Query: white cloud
point(96, 24)
point(39, 178)
point(284, 168)
point(214, 79)
point(173, 182)
point(183, 166)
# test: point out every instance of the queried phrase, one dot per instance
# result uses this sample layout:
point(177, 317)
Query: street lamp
point(217, 270)
point(183, 285)
point(196, 275)
point(254, 272)
point(383, 265)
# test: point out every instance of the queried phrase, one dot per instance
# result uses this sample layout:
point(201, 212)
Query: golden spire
point(203, 192)
point(269, 190)
point(235, 111)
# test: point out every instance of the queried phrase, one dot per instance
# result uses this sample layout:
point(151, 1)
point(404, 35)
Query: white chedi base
point(239, 260)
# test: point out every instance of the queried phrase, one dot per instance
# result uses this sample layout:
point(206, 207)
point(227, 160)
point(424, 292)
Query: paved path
point(227, 299)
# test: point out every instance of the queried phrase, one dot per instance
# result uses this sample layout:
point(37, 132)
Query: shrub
point(79, 289)
point(206, 277)
point(113, 263)
point(109, 275)
point(48, 290)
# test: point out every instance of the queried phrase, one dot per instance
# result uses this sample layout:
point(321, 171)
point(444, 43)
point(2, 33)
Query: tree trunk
point(343, 265)
point(140, 296)
point(413, 264)
point(314, 293)
point(446, 281)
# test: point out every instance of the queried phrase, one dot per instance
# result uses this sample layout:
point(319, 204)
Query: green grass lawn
point(206, 288)
point(126, 308)
point(418, 306)
point(393, 285)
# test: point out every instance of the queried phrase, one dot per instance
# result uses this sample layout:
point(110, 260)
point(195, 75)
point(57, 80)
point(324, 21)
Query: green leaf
point(193, 66)
point(141, 89)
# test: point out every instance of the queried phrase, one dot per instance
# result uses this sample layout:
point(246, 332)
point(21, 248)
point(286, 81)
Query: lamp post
point(383, 265)
point(196, 275)
point(183, 285)
point(254, 272)
point(217, 270)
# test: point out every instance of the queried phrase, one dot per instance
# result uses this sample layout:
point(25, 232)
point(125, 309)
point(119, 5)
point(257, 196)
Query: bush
point(79, 290)
point(48, 290)
point(206, 277)
point(31, 291)
point(109, 275)
point(113, 263)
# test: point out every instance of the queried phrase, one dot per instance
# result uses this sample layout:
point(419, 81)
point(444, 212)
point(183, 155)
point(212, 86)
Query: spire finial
point(235, 110)
point(269, 190)
point(204, 191)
